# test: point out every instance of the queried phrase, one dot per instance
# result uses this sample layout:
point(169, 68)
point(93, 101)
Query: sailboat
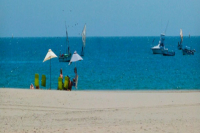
point(180, 44)
point(65, 57)
point(186, 50)
point(83, 40)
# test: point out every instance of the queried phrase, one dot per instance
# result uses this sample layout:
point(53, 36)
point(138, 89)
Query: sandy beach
point(99, 111)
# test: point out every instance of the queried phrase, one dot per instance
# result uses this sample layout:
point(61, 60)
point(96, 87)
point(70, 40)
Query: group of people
point(71, 83)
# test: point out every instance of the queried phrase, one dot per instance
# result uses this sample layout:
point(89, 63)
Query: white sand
point(99, 111)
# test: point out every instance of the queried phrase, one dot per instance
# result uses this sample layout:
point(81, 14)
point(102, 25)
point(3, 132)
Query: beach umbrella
point(75, 57)
point(49, 56)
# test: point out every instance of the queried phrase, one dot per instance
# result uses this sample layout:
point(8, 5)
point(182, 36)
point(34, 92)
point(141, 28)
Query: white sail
point(181, 34)
point(84, 36)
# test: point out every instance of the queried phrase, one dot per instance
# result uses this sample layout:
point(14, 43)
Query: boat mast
point(166, 27)
point(67, 40)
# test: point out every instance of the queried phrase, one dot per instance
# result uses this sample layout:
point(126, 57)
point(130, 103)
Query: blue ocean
point(109, 63)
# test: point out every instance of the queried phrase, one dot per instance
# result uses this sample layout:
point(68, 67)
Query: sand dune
point(99, 111)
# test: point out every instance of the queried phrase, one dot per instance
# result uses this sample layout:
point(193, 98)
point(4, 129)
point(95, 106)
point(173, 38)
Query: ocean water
point(109, 63)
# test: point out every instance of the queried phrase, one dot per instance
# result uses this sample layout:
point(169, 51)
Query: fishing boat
point(160, 48)
point(83, 40)
point(168, 53)
point(180, 44)
point(188, 51)
point(67, 56)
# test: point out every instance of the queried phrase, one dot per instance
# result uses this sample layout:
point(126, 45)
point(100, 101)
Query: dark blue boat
point(167, 53)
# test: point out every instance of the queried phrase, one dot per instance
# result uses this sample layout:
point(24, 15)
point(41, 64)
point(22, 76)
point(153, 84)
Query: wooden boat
point(65, 57)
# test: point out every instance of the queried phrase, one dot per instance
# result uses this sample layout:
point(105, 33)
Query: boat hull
point(187, 52)
point(158, 51)
point(168, 53)
point(82, 53)
point(64, 59)
point(179, 47)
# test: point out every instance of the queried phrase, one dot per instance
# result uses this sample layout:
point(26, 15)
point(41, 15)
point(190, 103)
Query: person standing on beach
point(76, 76)
point(70, 85)
point(31, 87)
point(61, 75)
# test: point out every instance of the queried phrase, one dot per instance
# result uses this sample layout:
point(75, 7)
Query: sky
point(46, 18)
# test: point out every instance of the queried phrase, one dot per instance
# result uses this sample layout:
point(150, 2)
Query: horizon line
point(87, 36)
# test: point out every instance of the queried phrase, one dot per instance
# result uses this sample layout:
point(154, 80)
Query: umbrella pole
point(50, 74)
